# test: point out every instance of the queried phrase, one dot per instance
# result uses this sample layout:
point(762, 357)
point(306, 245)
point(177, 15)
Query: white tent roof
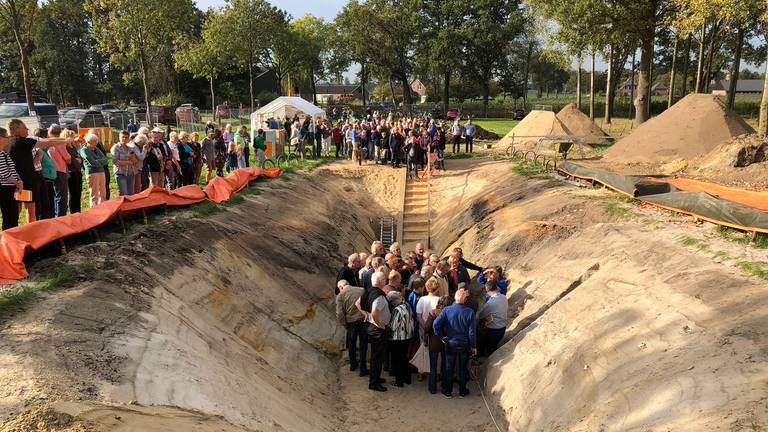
point(282, 107)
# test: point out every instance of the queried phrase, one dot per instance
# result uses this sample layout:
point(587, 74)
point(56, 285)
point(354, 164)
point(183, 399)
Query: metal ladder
point(387, 234)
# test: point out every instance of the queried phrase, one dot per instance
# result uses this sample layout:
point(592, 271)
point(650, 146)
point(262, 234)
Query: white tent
point(283, 107)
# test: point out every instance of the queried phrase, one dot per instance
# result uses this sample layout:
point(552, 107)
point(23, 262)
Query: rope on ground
point(473, 373)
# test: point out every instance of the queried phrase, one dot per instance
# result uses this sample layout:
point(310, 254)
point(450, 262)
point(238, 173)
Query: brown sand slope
point(690, 128)
point(535, 125)
point(579, 124)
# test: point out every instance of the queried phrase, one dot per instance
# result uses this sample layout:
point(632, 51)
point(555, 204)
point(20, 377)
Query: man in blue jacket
point(456, 326)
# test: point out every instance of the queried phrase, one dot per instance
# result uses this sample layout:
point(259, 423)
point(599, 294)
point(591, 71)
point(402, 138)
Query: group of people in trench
point(414, 314)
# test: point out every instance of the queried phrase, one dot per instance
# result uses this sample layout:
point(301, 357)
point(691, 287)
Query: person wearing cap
point(400, 337)
point(494, 317)
point(456, 326)
point(352, 320)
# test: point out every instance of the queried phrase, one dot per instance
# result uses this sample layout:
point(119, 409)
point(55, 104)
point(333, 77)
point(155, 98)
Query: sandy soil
point(226, 322)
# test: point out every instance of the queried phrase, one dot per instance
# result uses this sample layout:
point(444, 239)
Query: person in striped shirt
point(9, 184)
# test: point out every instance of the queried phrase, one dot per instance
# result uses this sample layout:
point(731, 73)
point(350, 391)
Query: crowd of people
point(408, 142)
point(44, 170)
point(413, 311)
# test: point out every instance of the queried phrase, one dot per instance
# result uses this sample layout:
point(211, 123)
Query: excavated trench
point(227, 323)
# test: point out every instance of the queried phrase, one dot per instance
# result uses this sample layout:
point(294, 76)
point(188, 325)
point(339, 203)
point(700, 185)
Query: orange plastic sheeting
point(15, 241)
point(221, 189)
point(758, 200)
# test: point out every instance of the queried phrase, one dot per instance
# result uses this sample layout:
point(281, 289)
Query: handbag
point(421, 359)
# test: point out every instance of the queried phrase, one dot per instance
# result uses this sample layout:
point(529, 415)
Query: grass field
point(499, 126)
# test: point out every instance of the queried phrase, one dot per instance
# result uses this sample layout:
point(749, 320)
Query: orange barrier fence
point(15, 241)
point(758, 200)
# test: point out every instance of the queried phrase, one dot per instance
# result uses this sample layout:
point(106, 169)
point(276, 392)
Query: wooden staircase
point(415, 214)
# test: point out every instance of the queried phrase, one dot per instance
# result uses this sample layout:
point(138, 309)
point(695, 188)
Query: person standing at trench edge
point(350, 272)
point(352, 320)
point(456, 326)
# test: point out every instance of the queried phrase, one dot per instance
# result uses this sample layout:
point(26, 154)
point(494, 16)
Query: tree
point(133, 46)
point(348, 47)
point(489, 27)
point(252, 27)
point(438, 49)
point(313, 49)
point(206, 57)
point(19, 17)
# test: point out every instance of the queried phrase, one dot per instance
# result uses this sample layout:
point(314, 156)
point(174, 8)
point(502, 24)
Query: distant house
point(420, 89)
point(743, 87)
point(659, 89)
point(327, 93)
point(627, 88)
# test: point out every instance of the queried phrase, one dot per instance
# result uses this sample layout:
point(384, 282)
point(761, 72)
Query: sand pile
point(739, 152)
point(535, 125)
point(483, 134)
point(692, 127)
point(580, 124)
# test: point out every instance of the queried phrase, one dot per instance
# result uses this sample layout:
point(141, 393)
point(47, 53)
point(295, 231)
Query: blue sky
point(323, 8)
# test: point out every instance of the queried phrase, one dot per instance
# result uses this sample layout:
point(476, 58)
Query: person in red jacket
point(337, 138)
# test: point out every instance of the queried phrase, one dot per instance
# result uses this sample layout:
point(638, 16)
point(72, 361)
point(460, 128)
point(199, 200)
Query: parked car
point(453, 114)
point(47, 114)
point(104, 107)
point(117, 119)
point(225, 111)
point(160, 114)
point(83, 118)
point(188, 113)
point(518, 114)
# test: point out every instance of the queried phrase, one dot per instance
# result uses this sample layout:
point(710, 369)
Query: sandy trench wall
point(230, 316)
point(617, 327)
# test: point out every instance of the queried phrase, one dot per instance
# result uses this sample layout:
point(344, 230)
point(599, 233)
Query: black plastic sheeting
point(699, 204)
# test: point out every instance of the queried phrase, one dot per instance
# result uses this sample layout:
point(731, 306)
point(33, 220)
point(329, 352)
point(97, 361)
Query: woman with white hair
point(140, 145)
point(94, 161)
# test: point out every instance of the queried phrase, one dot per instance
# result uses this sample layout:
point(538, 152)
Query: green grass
point(689, 241)
point(754, 268)
point(205, 209)
point(723, 255)
point(251, 190)
point(234, 200)
point(614, 209)
point(499, 126)
point(529, 169)
point(741, 237)
point(24, 292)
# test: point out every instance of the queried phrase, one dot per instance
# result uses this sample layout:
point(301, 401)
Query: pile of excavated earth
point(225, 321)
point(697, 138)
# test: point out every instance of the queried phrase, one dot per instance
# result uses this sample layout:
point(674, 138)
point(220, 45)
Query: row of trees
point(139, 48)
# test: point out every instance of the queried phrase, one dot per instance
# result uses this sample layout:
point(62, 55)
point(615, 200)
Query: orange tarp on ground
point(15, 241)
point(758, 200)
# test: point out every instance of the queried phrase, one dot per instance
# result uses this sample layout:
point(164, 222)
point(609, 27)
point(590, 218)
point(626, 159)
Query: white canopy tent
point(282, 107)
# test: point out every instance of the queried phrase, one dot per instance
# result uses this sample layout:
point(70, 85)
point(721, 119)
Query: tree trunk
point(25, 71)
point(608, 86)
point(363, 83)
point(592, 89)
point(144, 81)
point(314, 85)
point(578, 81)
point(486, 96)
point(650, 89)
point(671, 96)
point(644, 74)
point(392, 89)
point(735, 67)
point(762, 127)
point(700, 63)
point(213, 100)
point(527, 73)
point(250, 82)
point(632, 83)
point(710, 55)
point(686, 66)
point(407, 97)
point(446, 90)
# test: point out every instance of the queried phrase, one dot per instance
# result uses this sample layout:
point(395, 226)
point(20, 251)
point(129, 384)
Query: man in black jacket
point(350, 272)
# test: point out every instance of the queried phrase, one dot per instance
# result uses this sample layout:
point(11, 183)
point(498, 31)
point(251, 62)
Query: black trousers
point(468, 145)
point(44, 201)
point(9, 208)
point(378, 342)
point(456, 143)
point(399, 365)
point(75, 182)
point(489, 340)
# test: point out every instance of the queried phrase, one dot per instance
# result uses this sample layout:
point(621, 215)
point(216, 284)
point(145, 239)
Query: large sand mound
point(690, 128)
point(535, 125)
point(579, 124)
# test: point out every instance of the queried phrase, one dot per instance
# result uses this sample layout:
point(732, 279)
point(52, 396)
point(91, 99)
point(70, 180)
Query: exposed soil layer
point(225, 322)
